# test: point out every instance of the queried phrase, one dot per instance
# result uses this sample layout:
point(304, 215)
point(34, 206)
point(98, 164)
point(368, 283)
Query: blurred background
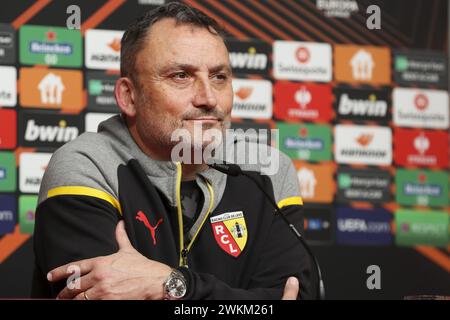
point(358, 90)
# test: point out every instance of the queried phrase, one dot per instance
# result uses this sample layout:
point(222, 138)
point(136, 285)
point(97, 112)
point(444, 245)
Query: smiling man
point(117, 211)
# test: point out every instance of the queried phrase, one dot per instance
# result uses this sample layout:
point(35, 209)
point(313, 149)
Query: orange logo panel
point(316, 181)
point(362, 64)
point(51, 89)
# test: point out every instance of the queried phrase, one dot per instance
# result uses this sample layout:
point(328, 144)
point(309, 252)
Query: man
point(188, 231)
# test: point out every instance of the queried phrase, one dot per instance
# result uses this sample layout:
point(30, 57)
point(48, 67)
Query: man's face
point(184, 79)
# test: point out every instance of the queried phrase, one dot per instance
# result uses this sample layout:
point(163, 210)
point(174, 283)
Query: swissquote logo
point(363, 145)
point(307, 61)
point(103, 49)
point(420, 108)
point(249, 57)
point(8, 86)
point(230, 232)
point(302, 54)
point(362, 104)
point(49, 130)
point(252, 99)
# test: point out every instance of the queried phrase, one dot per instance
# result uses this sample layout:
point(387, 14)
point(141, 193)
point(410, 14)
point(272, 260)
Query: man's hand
point(123, 275)
point(291, 289)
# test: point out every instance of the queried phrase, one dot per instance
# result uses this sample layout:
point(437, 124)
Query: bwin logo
point(370, 107)
point(61, 133)
point(250, 60)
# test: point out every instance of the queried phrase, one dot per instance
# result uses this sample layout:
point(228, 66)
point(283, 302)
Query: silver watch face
point(176, 287)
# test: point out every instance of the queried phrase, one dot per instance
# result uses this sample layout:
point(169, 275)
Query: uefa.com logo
point(236, 146)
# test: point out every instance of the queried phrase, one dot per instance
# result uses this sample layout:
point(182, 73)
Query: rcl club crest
point(230, 232)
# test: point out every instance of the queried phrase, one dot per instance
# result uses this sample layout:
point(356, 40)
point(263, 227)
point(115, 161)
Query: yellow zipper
point(184, 251)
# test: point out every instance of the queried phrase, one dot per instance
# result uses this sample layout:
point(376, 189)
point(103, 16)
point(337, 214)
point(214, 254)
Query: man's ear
point(125, 96)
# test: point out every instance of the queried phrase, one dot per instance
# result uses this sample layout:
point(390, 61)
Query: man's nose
point(204, 94)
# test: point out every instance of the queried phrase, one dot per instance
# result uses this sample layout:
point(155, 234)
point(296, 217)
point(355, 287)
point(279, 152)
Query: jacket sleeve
point(70, 228)
point(283, 254)
point(75, 219)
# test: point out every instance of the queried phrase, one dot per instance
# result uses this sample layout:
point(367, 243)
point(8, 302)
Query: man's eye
point(221, 76)
point(180, 76)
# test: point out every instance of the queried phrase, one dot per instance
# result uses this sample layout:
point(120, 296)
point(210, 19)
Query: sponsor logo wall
point(48, 130)
point(362, 104)
point(362, 64)
point(252, 99)
point(420, 68)
point(302, 61)
point(51, 89)
point(102, 49)
point(100, 89)
point(7, 171)
point(303, 101)
point(363, 145)
point(363, 227)
point(418, 147)
point(369, 185)
point(249, 57)
point(420, 108)
point(8, 213)
point(319, 224)
point(316, 181)
point(424, 227)
point(47, 45)
point(363, 124)
point(8, 45)
point(422, 187)
point(8, 86)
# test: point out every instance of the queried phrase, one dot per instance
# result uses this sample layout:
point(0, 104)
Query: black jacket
point(238, 248)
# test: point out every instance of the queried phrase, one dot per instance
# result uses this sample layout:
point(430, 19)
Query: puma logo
point(143, 218)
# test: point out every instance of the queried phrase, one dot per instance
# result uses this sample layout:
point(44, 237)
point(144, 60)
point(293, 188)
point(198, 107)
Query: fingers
point(83, 296)
point(78, 267)
point(291, 289)
point(81, 285)
point(122, 237)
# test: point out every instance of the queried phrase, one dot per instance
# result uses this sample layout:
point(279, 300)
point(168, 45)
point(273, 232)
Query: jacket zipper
point(184, 251)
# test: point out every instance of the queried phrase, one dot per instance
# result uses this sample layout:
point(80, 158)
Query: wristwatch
point(175, 286)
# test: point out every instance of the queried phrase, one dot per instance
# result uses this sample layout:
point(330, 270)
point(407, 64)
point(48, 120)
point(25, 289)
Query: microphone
point(234, 170)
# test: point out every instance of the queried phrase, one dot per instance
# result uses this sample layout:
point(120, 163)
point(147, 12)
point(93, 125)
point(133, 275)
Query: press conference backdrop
point(363, 113)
